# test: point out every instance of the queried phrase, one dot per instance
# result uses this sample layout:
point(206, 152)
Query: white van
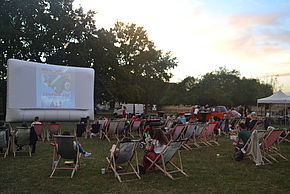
point(135, 109)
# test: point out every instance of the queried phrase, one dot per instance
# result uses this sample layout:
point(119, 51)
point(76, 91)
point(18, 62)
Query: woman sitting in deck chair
point(154, 147)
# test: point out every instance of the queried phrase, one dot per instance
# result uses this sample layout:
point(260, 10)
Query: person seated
point(154, 147)
point(251, 121)
point(77, 145)
point(243, 135)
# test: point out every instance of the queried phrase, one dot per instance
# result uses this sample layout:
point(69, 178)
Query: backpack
point(238, 156)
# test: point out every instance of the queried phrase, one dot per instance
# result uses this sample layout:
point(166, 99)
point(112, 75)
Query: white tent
point(277, 98)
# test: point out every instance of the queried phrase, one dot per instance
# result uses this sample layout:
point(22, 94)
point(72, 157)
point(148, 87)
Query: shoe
point(87, 154)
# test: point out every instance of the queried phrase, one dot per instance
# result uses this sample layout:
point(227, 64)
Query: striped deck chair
point(177, 131)
point(206, 133)
point(135, 128)
point(103, 127)
point(198, 131)
point(53, 129)
point(120, 130)
point(111, 129)
point(188, 135)
point(123, 155)
point(168, 124)
point(21, 138)
point(5, 141)
point(39, 130)
point(66, 155)
point(165, 159)
point(270, 147)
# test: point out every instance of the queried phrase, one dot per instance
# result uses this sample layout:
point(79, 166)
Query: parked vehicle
point(134, 109)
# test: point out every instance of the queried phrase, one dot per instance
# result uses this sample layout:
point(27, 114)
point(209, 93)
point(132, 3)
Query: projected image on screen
point(55, 88)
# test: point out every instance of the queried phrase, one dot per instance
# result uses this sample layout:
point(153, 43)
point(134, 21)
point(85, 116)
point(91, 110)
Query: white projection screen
point(51, 92)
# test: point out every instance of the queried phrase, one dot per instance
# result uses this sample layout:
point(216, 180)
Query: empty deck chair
point(270, 147)
point(207, 136)
point(103, 127)
point(65, 152)
point(198, 131)
point(123, 154)
point(53, 129)
point(165, 159)
point(39, 130)
point(111, 129)
point(188, 136)
point(177, 131)
point(120, 130)
point(135, 128)
point(5, 141)
point(21, 138)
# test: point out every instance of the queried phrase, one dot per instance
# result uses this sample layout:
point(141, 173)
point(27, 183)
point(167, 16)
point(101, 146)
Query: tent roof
point(277, 98)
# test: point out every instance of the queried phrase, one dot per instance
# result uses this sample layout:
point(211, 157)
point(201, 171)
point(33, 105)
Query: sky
point(251, 36)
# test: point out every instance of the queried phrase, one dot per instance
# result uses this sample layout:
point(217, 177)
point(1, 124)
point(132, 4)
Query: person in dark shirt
point(242, 138)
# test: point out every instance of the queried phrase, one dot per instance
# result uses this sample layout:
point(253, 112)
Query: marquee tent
point(277, 98)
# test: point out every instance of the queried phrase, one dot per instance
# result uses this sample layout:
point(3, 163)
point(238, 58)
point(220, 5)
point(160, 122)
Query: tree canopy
point(128, 66)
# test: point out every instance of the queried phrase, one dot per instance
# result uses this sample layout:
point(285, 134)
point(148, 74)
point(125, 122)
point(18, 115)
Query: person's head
point(159, 135)
point(242, 126)
point(253, 115)
point(36, 118)
point(2, 124)
point(66, 133)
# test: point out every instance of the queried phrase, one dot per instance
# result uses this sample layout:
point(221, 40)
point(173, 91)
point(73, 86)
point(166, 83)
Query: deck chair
point(270, 148)
point(165, 158)
point(168, 124)
point(65, 150)
point(21, 138)
point(135, 128)
point(95, 129)
point(120, 130)
point(5, 141)
point(188, 135)
point(198, 131)
point(126, 153)
point(252, 147)
point(80, 129)
point(39, 130)
point(103, 127)
point(207, 137)
point(285, 137)
point(53, 129)
point(111, 129)
point(177, 131)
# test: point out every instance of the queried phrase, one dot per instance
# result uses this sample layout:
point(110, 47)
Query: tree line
point(128, 66)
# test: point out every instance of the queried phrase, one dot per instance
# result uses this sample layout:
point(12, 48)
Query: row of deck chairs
point(115, 129)
point(47, 131)
point(263, 146)
point(195, 135)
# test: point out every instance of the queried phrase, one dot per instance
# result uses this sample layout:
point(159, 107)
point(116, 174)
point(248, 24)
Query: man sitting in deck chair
point(123, 153)
point(243, 135)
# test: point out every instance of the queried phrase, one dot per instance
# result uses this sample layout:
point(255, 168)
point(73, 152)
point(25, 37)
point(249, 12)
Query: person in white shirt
point(36, 121)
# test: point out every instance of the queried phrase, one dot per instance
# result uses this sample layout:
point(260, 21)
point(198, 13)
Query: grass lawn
point(207, 173)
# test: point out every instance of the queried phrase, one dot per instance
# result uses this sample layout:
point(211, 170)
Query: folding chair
point(111, 129)
point(198, 131)
point(165, 158)
point(188, 135)
point(53, 129)
point(39, 130)
point(252, 147)
point(177, 131)
point(120, 130)
point(81, 128)
point(103, 127)
point(5, 141)
point(286, 136)
point(21, 138)
point(268, 147)
point(207, 136)
point(123, 155)
point(135, 127)
point(168, 124)
point(66, 150)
